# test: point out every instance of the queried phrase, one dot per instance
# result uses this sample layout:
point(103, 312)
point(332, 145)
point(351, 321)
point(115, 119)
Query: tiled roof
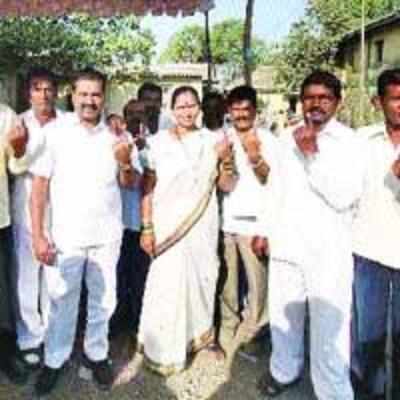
point(102, 7)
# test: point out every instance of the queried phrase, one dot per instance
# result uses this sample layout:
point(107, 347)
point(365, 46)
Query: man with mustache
point(309, 233)
point(254, 155)
point(376, 248)
point(41, 90)
point(79, 173)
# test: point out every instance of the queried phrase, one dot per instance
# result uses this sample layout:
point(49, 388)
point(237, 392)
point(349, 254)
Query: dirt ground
point(205, 379)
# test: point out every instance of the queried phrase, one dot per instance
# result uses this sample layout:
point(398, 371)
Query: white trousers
point(33, 302)
point(326, 284)
point(97, 265)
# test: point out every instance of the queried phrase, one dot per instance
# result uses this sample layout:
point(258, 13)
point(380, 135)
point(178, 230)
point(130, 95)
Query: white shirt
point(8, 120)
point(85, 196)
point(242, 207)
point(23, 183)
point(316, 196)
point(377, 224)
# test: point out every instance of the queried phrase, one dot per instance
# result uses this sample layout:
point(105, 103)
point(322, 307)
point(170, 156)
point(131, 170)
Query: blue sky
point(272, 18)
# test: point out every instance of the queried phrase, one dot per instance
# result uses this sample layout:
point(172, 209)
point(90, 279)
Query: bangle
point(147, 226)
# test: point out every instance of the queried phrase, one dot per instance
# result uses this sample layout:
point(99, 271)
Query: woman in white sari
point(180, 231)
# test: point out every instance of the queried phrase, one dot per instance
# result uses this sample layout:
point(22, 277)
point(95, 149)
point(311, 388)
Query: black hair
point(37, 72)
point(324, 78)
point(214, 109)
point(184, 89)
point(89, 74)
point(149, 87)
point(242, 93)
point(386, 78)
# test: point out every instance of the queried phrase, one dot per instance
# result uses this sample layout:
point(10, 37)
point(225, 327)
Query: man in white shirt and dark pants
point(311, 248)
point(376, 248)
point(254, 152)
point(41, 89)
point(80, 172)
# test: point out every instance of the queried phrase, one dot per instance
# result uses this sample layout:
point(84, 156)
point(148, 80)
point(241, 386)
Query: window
point(379, 46)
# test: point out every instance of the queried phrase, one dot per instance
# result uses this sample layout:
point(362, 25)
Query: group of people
point(156, 215)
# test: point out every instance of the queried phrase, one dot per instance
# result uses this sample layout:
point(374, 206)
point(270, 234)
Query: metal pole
point(247, 42)
point(362, 63)
point(208, 50)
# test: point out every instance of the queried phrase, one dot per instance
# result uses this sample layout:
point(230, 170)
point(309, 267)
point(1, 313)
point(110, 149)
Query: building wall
point(389, 36)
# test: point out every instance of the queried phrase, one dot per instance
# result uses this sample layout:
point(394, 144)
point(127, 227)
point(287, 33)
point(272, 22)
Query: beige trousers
point(237, 248)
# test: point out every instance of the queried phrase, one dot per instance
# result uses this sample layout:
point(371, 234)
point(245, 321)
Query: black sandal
point(270, 387)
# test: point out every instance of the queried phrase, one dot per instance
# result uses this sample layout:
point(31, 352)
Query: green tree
point(188, 45)
point(313, 41)
point(69, 43)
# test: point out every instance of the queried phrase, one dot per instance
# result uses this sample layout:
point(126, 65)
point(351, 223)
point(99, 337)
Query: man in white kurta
point(31, 282)
point(254, 156)
point(376, 250)
point(80, 173)
point(310, 240)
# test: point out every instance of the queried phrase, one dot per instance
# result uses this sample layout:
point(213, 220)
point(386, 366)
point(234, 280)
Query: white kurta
point(178, 306)
point(311, 246)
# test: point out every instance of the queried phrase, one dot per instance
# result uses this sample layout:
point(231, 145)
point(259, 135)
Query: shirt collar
point(99, 127)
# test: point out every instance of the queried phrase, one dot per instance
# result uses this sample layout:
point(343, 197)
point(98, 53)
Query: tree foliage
point(189, 45)
point(72, 42)
point(313, 41)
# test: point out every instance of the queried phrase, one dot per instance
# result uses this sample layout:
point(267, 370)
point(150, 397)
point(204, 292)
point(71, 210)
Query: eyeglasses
point(323, 99)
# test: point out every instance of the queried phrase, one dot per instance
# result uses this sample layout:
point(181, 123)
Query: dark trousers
point(132, 271)
point(7, 320)
point(375, 285)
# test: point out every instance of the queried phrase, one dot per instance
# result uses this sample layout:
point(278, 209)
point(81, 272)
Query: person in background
point(134, 262)
point(376, 249)
point(214, 110)
point(151, 96)
point(41, 90)
point(13, 143)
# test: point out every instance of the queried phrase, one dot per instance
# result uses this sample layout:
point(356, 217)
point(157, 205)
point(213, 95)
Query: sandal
point(270, 387)
point(31, 358)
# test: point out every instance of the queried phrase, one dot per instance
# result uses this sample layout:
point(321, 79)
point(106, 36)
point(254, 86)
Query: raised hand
point(18, 139)
point(306, 138)
point(224, 149)
point(252, 146)
point(122, 152)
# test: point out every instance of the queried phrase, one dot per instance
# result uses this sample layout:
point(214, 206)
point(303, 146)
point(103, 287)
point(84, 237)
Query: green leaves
point(76, 41)
point(312, 43)
point(189, 45)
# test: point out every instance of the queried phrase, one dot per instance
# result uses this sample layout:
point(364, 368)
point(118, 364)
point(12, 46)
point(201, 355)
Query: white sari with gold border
point(178, 305)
